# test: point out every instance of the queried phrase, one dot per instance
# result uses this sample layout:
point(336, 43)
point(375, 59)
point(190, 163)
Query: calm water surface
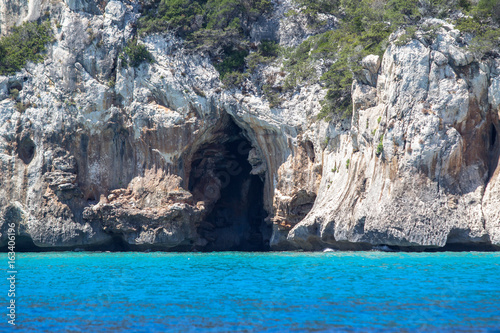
point(271, 292)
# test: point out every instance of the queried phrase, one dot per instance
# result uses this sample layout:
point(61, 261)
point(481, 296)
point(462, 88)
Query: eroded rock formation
point(164, 157)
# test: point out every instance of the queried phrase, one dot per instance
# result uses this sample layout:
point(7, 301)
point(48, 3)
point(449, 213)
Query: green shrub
point(313, 7)
point(485, 43)
point(483, 24)
point(217, 27)
point(234, 61)
point(266, 52)
point(24, 43)
point(269, 49)
point(234, 79)
point(465, 5)
point(137, 54)
point(21, 107)
point(380, 146)
point(364, 29)
point(469, 24)
point(14, 93)
point(253, 60)
point(347, 49)
point(488, 10)
point(407, 36)
point(347, 163)
point(272, 96)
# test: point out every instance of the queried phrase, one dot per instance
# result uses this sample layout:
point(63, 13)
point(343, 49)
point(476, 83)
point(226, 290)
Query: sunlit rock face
point(163, 156)
point(430, 183)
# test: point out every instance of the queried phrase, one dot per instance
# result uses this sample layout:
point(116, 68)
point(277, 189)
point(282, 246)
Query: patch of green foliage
point(485, 44)
point(24, 43)
point(273, 96)
point(21, 107)
point(483, 24)
point(190, 16)
point(221, 29)
point(380, 146)
point(347, 163)
point(266, 52)
point(269, 49)
point(14, 93)
point(234, 61)
point(487, 10)
point(136, 54)
point(312, 8)
point(407, 36)
point(364, 28)
point(217, 27)
point(234, 79)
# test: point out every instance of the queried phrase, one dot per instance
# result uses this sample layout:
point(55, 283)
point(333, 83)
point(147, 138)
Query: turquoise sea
point(256, 292)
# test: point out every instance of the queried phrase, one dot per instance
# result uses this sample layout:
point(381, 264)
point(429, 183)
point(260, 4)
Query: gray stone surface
point(105, 151)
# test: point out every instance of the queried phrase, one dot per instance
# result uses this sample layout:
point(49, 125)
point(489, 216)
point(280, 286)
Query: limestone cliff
point(163, 156)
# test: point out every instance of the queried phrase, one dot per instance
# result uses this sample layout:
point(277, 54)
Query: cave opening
point(493, 151)
point(493, 136)
point(221, 178)
point(26, 150)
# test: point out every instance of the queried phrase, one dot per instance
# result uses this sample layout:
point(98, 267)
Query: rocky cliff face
point(163, 156)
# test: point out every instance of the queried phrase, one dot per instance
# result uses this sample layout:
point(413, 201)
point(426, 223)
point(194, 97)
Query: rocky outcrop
point(421, 156)
point(163, 156)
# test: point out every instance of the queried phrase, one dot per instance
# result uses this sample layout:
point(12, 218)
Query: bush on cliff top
point(136, 54)
point(217, 27)
point(364, 28)
point(221, 28)
point(190, 16)
point(24, 43)
point(482, 22)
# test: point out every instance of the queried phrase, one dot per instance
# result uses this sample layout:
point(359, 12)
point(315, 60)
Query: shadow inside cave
point(220, 177)
point(493, 151)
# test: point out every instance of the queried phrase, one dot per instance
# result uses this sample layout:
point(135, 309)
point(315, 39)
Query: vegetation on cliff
point(25, 43)
point(135, 54)
point(221, 28)
point(483, 22)
point(217, 27)
point(364, 28)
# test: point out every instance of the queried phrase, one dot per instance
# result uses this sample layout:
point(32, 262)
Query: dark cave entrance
point(220, 177)
point(493, 136)
point(493, 151)
point(26, 150)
